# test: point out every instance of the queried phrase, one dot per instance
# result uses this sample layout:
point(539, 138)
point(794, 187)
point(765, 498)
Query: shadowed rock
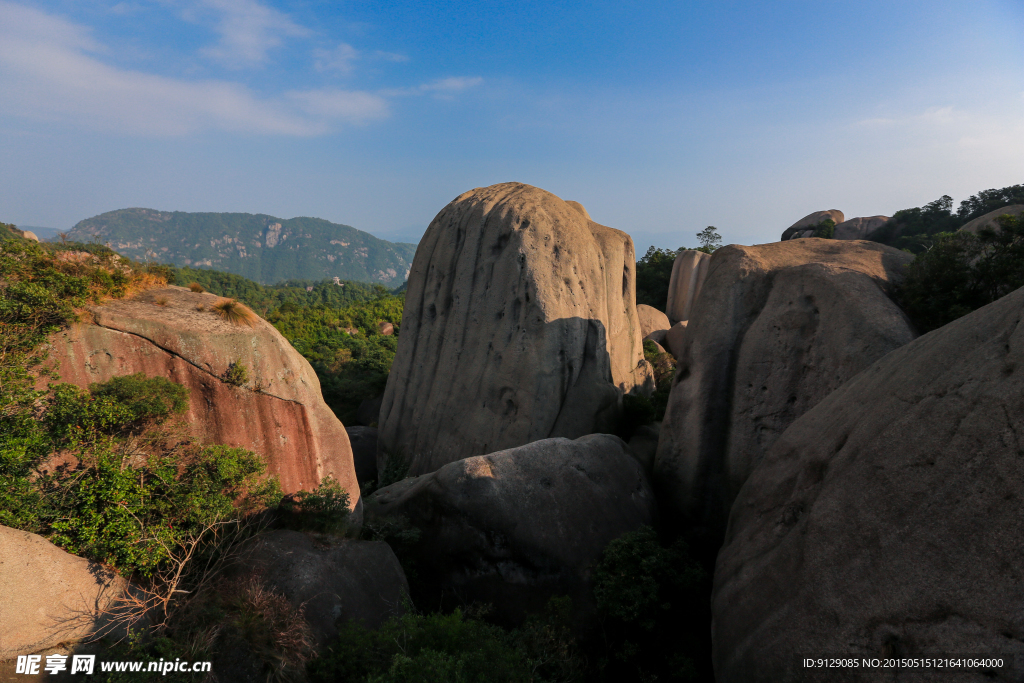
point(859, 228)
point(806, 225)
point(776, 329)
point(651, 320)
point(515, 528)
point(520, 324)
point(688, 274)
point(887, 520)
point(171, 332)
point(991, 219)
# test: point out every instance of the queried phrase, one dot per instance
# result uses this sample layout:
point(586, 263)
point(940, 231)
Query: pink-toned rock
point(688, 273)
point(174, 333)
point(385, 328)
point(651, 320)
point(859, 228)
point(805, 226)
point(49, 597)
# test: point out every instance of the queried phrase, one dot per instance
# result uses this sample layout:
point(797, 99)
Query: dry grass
point(160, 301)
point(197, 288)
point(235, 312)
point(200, 307)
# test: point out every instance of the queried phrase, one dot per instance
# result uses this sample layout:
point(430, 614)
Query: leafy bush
point(962, 272)
point(664, 365)
point(653, 273)
point(237, 374)
point(653, 601)
point(826, 229)
point(324, 509)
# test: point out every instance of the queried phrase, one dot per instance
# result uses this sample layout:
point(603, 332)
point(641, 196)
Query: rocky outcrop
point(991, 219)
point(520, 324)
point(332, 580)
point(675, 337)
point(859, 228)
point(651, 320)
point(777, 328)
point(689, 271)
point(806, 225)
point(887, 520)
point(171, 332)
point(48, 597)
point(515, 528)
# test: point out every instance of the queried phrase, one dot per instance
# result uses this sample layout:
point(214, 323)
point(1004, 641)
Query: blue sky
point(659, 117)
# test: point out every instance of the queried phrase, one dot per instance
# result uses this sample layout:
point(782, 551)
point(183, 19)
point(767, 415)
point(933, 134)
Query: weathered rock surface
point(805, 226)
point(385, 328)
point(651, 320)
point(364, 452)
point(279, 413)
point(49, 597)
point(674, 338)
point(777, 328)
point(516, 527)
point(580, 208)
point(333, 580)
point(859, 228)
point(368, 412)
point(644, 444)
point(888, 518)
point(689, 271)
point(991, 219)
point(520, 324)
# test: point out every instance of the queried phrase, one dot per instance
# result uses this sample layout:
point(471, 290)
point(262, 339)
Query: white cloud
point(445, 87)
point(338, 59)
point(48, 72)
point(248, 30)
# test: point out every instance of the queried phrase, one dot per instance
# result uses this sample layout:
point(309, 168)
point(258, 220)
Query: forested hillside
point(260, 247)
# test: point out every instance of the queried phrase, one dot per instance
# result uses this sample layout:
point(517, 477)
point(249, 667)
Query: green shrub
point(653, 601)
point(664, 365)
point(962, 272)
point(826, 229)
point(237, 375)
point(324, 509)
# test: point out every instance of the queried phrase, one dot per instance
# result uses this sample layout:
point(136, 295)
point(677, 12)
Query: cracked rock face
point(776, 328)
point(887, 520)
point(515, 528)
point(172, 332)
point(520, 324)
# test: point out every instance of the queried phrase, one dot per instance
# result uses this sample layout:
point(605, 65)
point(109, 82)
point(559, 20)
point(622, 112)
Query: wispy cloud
point(339, 58)
point(445, 87)
point(248, 31)
point(49, 70)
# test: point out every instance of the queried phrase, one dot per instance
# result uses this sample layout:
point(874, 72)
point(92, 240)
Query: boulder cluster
point(860, 485)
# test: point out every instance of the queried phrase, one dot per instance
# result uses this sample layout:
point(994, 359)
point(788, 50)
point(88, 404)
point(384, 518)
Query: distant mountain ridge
point(257, 246)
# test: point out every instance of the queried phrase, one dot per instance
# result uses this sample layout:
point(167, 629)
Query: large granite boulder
point(515, 528)
point(332, 580)
point(859, 228)
point(776, 329)
point(806, 225)
point(172, 332)
point(364, 452)
point(651, 320)
point(689, 271)
point(520, 324)
point(887, 520)
point(991, 219)
point(49, 597)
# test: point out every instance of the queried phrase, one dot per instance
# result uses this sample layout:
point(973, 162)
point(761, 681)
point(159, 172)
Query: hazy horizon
point(660, 119)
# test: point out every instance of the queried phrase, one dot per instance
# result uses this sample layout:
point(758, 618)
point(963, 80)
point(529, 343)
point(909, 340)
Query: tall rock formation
point(171, 332)
point(991, 219)
point(887, 520)
point(689, 271)
point(777, 327)
point(520, 324)
point(805, 226)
